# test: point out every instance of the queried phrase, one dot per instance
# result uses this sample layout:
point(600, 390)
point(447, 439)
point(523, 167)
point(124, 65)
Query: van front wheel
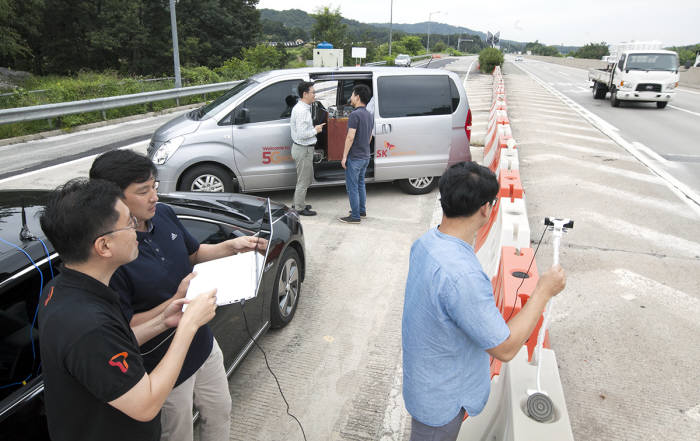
point(207, 178)
point(422, 185)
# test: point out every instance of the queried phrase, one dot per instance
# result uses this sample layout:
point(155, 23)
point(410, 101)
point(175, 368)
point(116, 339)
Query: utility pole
point(427, 49)
point(391, 22)
point(176, 50)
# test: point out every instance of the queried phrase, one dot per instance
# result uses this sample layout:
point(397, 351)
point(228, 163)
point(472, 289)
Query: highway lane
point(669, 137)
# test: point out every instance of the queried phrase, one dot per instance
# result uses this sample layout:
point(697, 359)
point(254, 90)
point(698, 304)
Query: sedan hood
point(182, 125)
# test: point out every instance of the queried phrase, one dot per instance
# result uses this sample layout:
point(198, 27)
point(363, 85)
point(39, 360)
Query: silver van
point(241, 141)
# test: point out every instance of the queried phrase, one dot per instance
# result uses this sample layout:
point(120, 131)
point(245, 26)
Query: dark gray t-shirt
point(360, 120)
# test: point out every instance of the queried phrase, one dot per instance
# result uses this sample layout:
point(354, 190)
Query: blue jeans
point(355, 184)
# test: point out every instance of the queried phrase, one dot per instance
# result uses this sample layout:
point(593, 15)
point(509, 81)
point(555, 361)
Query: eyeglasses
point(133, 222)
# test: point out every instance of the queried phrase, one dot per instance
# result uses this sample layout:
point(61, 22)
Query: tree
point(20, 24)
point(329, 27)
point(489, 58)
point(221, 28)
point(538, 48)
point(413, 44)
point(440, 46)
point(594, 51)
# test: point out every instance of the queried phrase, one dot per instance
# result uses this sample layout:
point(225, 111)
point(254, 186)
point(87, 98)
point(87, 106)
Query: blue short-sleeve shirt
point(450, 318)
point(153, 278)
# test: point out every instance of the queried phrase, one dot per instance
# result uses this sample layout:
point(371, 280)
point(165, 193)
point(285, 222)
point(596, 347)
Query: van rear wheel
point(208, 179)
point(422, 185)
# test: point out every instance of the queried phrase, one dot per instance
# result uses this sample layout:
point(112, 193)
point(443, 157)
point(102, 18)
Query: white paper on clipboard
point(235, 278)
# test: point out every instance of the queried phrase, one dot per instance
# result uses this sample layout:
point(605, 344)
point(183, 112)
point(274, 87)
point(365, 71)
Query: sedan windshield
point(213, 107)
point(652, 62)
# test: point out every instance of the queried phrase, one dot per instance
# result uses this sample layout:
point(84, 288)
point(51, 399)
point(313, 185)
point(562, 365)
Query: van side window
point(414, 95)
point(454, 92)
point(273, 102)
point(621, 63)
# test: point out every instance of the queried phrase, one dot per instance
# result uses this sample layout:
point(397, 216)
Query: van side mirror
point(241, 116)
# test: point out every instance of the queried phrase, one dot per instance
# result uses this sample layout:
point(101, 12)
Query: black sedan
point(27, 262)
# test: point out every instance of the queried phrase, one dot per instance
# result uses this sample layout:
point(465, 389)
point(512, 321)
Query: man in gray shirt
point(356, 154)
point(303, 143)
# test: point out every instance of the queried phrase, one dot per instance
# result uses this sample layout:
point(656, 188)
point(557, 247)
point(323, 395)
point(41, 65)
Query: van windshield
point(213, 107)
point(652, 62)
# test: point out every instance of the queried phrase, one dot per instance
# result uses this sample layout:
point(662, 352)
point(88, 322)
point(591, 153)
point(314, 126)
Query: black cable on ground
point(273, 374)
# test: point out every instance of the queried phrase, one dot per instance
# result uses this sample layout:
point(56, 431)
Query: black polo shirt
point(153, 278)
point(89, 357)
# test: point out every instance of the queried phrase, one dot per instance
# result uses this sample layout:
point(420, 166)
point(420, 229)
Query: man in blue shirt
point(357, 153)
point(450, 320)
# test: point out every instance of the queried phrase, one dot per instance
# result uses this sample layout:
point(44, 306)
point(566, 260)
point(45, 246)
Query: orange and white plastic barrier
point(503, 249)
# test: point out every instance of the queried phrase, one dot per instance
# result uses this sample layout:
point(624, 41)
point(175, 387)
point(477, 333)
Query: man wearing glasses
point(450, 320)
point(303, 144)
point(147, 285)
point(96, 385)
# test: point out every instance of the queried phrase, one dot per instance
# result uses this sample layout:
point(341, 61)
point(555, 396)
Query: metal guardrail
point(382, 63)
point(45, 111)
point(147, 80)
point(418, 57)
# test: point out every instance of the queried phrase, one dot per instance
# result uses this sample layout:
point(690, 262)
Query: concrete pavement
point(625, 330)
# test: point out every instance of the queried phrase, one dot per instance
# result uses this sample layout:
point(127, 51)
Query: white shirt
point(303, 130)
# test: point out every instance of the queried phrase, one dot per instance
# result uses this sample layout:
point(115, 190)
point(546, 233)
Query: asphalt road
point(672, 134)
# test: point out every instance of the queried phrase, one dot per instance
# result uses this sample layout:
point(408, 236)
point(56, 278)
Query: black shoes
point(361, 214)
point(307, 211)
point(349, 220)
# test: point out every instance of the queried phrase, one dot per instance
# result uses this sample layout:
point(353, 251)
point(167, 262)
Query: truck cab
point(642, 75)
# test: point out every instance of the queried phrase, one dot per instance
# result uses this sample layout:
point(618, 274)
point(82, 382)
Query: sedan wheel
point(286, 289)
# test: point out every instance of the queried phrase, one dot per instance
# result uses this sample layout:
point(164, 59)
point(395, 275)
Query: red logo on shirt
point(49, 297)
point(120, 363)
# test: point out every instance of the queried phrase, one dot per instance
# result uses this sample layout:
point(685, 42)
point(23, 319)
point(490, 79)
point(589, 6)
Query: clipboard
point(237, 278)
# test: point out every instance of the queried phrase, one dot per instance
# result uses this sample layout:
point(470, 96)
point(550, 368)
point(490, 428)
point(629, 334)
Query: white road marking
point(671, 207)
point(685, 193)
point(677, 301)
point(598, 139)
point(632, 231)
point(683, 110)
point(652, 154)
point(63, 164)
point(644, 177)
point(687, 91)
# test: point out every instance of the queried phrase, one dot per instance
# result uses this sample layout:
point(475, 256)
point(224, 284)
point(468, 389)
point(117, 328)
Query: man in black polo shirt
point(149, 284)
point(96, 387)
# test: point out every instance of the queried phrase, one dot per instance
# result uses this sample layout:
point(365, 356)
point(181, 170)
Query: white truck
point(637, 71)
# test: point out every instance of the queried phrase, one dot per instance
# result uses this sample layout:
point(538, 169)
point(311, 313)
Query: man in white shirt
point(303, 143)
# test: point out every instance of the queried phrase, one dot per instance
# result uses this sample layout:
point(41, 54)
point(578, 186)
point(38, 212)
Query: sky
point(552, 22)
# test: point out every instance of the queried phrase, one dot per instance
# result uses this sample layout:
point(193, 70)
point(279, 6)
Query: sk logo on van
point(119, 360)
point(384, 153)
